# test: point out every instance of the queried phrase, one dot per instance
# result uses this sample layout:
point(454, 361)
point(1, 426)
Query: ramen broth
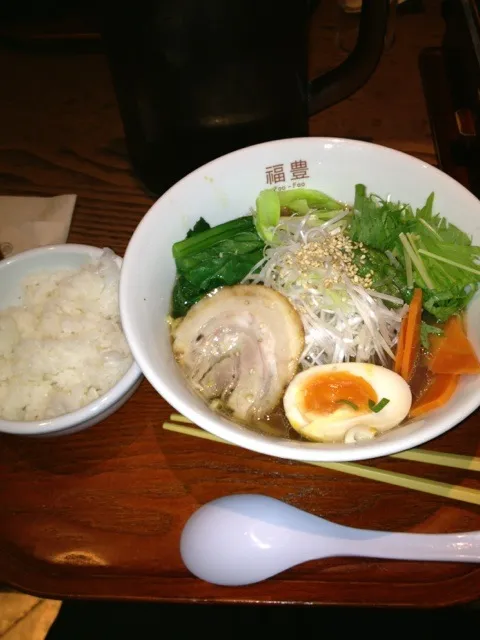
point(276, 423)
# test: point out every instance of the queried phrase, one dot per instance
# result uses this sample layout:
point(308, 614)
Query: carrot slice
point(412, 336)
point(436, 395)
point(452, 352)
point(400, 345)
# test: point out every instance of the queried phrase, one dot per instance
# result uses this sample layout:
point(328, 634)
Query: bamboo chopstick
point(177, 417)
point(470, 463)
point(443, 489)
point(455, 460)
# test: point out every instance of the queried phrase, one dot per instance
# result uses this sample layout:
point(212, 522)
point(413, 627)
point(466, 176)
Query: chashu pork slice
point(241, 344)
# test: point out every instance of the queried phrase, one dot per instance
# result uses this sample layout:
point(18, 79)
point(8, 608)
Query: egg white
point(335, 426)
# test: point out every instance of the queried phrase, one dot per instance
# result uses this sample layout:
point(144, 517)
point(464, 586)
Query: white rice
point(64, 346)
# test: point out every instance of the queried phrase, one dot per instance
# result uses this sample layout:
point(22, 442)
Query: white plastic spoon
point(242, 539)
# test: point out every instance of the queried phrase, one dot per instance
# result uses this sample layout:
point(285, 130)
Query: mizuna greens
point(426, 250)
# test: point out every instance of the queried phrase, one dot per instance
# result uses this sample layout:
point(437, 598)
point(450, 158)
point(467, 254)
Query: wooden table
point(99, 514)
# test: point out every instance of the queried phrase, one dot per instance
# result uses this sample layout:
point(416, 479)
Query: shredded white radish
point(343, 318)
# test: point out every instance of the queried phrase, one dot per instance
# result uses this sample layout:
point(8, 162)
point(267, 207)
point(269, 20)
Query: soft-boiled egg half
point(346, 402)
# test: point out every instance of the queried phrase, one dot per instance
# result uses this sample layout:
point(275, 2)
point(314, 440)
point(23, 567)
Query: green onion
point(350, 404)
point(379, 406)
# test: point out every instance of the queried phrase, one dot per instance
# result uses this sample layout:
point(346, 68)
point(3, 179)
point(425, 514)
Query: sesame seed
point(333, 255)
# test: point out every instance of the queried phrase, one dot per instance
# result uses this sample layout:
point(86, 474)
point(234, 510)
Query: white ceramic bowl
point(225, 189)
point(12, 272)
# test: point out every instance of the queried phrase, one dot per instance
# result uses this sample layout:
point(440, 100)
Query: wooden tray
point(99, 514)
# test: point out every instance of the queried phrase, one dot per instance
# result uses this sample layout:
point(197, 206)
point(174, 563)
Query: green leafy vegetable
point(426, 330)
point(386, 277)
point(375, 222)
point(314, 199)
point(267, 213)
point(198, 227)
point(443, 304)
point(439, 226)
point(349, 403)
point(450, 262)
point(379, 406)
point(299, 206)
point(299, 201)
point(433, 254)
point(414, 258)
point(183, 296)
point(213, 257)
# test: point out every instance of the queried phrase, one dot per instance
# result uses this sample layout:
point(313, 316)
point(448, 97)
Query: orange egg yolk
point(326, 393)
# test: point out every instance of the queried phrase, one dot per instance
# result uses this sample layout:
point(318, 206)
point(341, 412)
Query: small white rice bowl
point(64, 361)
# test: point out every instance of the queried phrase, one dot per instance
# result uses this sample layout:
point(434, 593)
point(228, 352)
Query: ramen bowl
point(226, 188)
